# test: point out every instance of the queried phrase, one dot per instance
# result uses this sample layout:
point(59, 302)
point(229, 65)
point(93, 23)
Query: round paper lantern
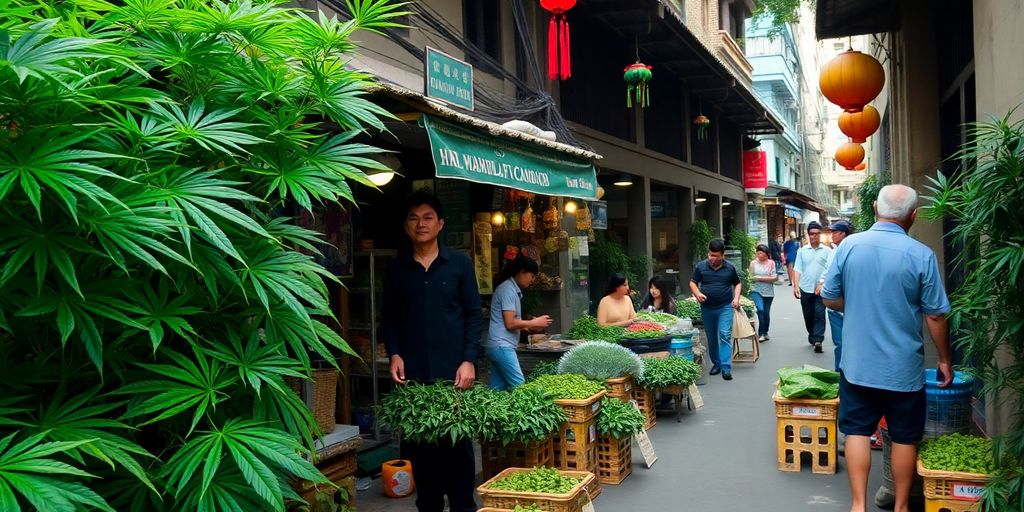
point(637, 76)
point(861, 166)
point(849, 155)
point(858, 126)
point(851, 80)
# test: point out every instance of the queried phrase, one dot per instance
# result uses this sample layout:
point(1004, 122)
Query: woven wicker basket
point(325, 393)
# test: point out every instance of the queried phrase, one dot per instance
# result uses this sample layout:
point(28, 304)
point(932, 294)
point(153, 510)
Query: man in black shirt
point(715, 284)
point(432, 323)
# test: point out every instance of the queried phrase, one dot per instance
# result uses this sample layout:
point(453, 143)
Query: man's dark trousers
point(814, 316)
point(442, 468)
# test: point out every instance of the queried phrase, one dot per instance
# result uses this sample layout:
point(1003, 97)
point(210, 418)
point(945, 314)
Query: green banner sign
point(449, 79)
point(468, 154)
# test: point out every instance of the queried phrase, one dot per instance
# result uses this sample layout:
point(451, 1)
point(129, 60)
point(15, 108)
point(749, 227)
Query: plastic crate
point(496, 457)
point(645, 401)
point(575, 446)
point(614, 459)
point(952, 485)
point(931, 505)
point(572, 501)
point(948, 410)
point(582, 410)
point(621, 388)
point(806, 426)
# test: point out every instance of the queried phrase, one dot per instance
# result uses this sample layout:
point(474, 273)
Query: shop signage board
point(755, 171)
point(464, 153)
point(449, 79)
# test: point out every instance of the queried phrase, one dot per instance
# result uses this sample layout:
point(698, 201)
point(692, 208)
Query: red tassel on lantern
point(559, 61)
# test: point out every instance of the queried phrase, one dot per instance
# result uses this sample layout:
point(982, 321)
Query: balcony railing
point(734, 57)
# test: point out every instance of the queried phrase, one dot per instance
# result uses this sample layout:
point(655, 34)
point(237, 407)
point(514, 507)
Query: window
point(482, 26)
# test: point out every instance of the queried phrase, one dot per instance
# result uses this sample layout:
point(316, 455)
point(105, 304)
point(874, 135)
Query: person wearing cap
point(807, 270)
point(840, 230)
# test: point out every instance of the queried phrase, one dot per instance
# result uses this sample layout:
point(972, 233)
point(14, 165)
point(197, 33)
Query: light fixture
point(623, 180)
point(498, 219)
point(570, 207)
point(701, 199)
point(726, 203)
point(381, 178)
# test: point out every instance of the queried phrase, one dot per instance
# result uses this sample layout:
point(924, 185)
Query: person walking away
point(789, 252)
point(431, 326)
point(762, 269)
point(658, 298)
point(776, 253)
point(716, 285)
point(809, 265)
point(840, 230)
point(886, 281)
point(507, 321)
point(616, 308)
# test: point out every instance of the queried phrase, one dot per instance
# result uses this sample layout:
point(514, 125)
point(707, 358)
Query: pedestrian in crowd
point(887, 281)
point(789, 252)
point(840, 230)
point(659, 298)
point(431, 326)
point(507, 321)
point(616, 307)
point(716, 285)
point(777, 254)
point(809, 265)
point(763, 291)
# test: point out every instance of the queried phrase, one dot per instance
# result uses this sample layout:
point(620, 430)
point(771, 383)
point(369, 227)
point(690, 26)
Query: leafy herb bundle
point(566, 386)
point(600, 360)
point(542, 480)
point(523, 415)
point(689, 308)
point(619, 419)
point(543, 368)
point(958, 452)
point(671, 371)
point(586, 328)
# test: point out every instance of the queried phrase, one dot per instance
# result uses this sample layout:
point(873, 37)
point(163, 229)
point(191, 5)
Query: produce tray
point(646, 345)
point(951, 485)
point(582, 410)
point(614, 459)
point(496, 457)
point(572, 501)
point(620, 387)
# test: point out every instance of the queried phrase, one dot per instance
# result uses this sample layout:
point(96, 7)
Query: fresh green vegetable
point(643, 335)
point(689, 308)
point(654, 316)
point(808, 381)
point(670, 371)
point(545, 480)
point(600, 360)
point(522, 414)
point(566, 387)
point(586, 328)
point(958, 452)
point(543, 368)
point(619, 419)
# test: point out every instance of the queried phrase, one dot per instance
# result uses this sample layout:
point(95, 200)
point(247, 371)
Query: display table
point(530, 355)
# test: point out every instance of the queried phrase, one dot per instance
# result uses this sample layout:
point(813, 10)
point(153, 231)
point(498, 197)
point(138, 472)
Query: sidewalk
point(722, 458)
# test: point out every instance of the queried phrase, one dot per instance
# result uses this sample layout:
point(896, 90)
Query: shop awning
point(791, 198)
point(465, 153)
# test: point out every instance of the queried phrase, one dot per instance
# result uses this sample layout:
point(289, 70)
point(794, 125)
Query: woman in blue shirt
point(507, 321)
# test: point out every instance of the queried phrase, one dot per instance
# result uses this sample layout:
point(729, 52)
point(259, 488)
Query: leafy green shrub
point(599, 360)
point(867, 192)
point(700, 237)
point(522, 414)
point(670, 371)
point(688, 307)
point(566, 386)
point(152, 297)
point(619, 420)
point(747, 246)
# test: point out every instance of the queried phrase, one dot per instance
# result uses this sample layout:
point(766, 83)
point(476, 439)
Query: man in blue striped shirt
point(887, 283)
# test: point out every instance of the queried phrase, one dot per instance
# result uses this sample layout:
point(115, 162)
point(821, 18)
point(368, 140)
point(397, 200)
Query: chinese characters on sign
point(449, 79)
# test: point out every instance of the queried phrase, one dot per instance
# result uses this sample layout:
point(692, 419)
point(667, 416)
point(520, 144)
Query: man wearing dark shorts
point(886, 282)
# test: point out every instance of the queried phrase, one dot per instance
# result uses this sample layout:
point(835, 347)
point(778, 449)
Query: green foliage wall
point(152, 300)
point(867, 193)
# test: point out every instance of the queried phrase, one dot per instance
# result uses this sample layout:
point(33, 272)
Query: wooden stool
point(741, 356)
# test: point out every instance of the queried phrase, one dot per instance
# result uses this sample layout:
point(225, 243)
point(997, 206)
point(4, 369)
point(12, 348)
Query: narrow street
point(722, 456)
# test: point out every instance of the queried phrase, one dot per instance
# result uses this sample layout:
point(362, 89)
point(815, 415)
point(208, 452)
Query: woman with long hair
point(507, 320)
point(616, 308)
point(659, 298)
point(762, 293)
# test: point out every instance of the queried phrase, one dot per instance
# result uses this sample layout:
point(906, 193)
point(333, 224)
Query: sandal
point(762, 339)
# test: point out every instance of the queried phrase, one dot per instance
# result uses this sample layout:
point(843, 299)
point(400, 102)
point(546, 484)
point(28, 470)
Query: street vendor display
point(600, 361)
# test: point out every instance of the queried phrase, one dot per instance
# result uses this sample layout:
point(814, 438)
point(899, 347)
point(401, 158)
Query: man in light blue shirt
point(840, 230)
point(886, 282)
point(811, 261)
point(507, 321)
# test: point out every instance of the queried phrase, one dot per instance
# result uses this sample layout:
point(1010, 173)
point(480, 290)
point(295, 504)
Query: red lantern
point(860, 125)
point(851, 80)
point(849, 155)
point(861, 166)
point(558, 38)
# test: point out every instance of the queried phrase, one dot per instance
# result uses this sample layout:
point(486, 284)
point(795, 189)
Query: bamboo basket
point(614, 459)
point(951, 490)
point(496, 457)
point(325, 394)
point(620, 387)
point(579, 411)
point(645, 401)
point(572, 501)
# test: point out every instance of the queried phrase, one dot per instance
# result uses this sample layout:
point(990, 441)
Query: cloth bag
point(741, 327)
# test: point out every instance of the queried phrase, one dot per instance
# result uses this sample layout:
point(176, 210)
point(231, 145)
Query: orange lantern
point(860, 125)
point(849, 155)
point(851, 80)
point(861, 166)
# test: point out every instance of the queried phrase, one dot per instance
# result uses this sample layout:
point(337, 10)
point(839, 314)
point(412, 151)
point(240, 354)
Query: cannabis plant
point(153, 294)
point(982, 199)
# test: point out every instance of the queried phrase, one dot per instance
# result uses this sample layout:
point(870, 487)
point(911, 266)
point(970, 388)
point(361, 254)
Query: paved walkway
point(722, 458)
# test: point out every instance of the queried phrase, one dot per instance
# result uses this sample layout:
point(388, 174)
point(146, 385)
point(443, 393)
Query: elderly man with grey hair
point(887, 283)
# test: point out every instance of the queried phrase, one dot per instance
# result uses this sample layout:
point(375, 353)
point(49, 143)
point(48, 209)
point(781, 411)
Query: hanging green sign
point(449, 79)
point(468, 154)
